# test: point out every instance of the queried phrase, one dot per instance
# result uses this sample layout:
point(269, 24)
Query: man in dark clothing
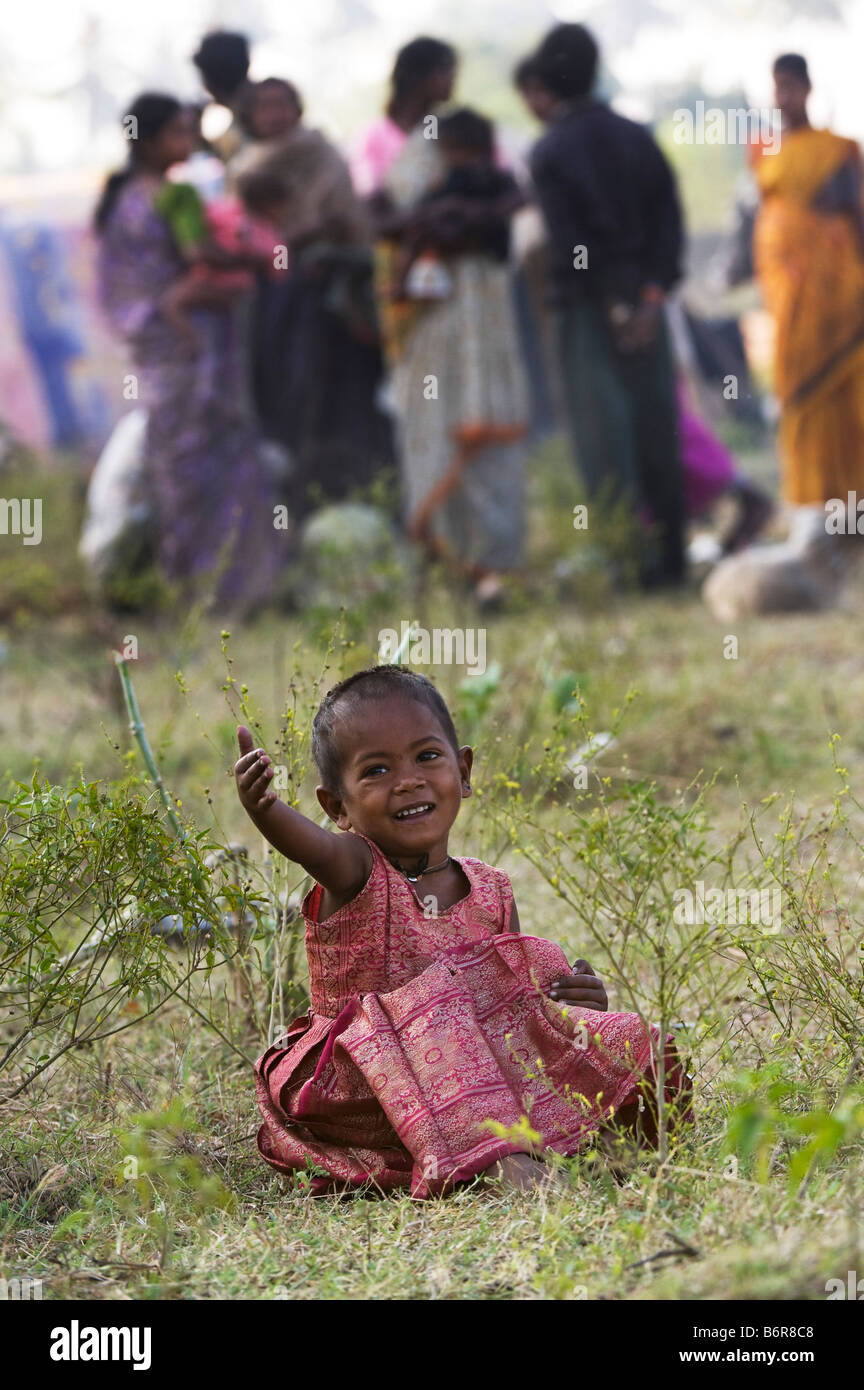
point(611, 208)
point(222, 59)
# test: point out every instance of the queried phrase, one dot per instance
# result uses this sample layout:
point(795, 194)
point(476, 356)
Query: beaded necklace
point(422, 872)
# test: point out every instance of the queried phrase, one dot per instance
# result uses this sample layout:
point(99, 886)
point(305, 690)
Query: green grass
point(201, 1216)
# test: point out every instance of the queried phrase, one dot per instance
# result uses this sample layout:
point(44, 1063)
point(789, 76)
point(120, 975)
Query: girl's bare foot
point(522, 1172)
point(620, 1153)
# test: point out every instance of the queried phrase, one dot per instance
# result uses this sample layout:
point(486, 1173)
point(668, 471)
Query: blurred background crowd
point(282, 299)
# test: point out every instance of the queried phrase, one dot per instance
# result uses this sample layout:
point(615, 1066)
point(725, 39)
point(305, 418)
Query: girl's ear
point(333, 805)
point(466, 762)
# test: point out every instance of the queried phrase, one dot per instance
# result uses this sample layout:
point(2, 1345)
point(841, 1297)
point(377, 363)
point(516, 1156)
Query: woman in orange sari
point(809, 256)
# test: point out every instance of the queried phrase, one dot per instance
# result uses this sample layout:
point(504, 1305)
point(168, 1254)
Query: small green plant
point(162, 1170)
point(88, 874)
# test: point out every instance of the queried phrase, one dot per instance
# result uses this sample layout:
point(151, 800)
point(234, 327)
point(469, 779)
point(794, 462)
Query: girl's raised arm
point(341, 863)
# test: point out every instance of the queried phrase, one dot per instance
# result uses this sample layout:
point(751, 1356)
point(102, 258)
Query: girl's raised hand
point(583, 987)
point(253, 772)
point(340, 863)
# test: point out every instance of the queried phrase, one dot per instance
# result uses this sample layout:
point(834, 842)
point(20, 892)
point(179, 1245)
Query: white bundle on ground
point(119, 513)
point(347, 551)
point(806, 572)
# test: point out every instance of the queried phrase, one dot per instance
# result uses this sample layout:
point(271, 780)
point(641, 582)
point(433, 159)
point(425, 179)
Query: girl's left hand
point(583, 987)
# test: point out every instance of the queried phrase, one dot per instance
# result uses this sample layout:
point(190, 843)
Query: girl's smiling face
point(402, 781)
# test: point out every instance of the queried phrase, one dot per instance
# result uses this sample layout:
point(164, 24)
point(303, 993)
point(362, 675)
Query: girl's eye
point(430, 753)
point(373, 771)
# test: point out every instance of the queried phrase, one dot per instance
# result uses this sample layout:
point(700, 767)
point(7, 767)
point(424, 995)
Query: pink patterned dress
point(423, 1028)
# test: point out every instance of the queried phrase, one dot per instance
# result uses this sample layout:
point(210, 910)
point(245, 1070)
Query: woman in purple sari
point(213, 491)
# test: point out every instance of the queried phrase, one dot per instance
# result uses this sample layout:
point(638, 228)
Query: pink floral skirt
point(399, 1090)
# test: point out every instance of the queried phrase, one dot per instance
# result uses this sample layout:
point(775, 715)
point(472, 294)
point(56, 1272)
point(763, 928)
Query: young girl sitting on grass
point(430, 1013)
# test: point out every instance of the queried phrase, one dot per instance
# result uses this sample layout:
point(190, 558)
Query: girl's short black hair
point(375, 683)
